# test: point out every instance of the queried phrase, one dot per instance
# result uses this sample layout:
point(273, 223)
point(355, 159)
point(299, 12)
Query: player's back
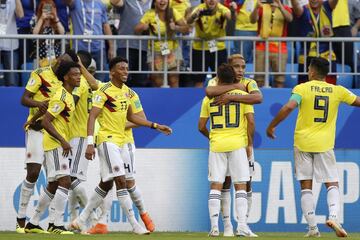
point(318, 109)
point(228, 125)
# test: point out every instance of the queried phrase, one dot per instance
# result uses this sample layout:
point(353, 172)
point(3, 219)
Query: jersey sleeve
point(99, 99)
point(298, 90)
point(56, 106)
point(79, 91)
point(346, 95)
point(177, 15)
point(252, 86)
point(224, 10)
point(146, 18)
point(136, 103)
point(205, 108)
point(248, 108)
point(212, 82)
point(34, 82)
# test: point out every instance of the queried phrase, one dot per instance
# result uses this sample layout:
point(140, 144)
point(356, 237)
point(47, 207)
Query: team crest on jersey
point(116, 168)
point(31, 82)
point(56, 108)
point(64, 166)
point(97, 98)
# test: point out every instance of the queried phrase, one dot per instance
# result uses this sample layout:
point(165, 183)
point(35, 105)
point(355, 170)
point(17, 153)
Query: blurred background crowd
point(172, 24)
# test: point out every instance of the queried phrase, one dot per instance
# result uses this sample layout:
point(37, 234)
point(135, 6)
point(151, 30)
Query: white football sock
point(308, 207)
point(60, 199)
point(249, 203)
point(126, 205)
point(105, 207)
point(226, 206)
point(73, 206)
point(95, 201)
point(214, 207)
point(51, 216)
point(136, 197)
point(27, 189)
point(241, 206)
point(44, 201)
point(333, 200)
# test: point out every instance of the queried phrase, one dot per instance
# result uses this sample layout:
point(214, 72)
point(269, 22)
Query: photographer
point(48, 23)
point(272, 17)
point(210, 20)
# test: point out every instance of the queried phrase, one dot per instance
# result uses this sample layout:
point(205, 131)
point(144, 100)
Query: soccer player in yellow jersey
point(231, 132)
point(78, 162)
point(57, 149)
point(41, 86)
point(314, 139)
point(237, 61)
point(112, 107)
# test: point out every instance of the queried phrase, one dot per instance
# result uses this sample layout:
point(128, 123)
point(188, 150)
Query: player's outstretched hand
point(222, 99)
point(66, 148)
point(164, 129)
point(90, 152)
point(270, 132)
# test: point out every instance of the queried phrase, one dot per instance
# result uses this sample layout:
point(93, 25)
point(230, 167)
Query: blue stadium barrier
point(344, 80)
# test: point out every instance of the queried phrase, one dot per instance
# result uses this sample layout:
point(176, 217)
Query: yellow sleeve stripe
point(106, 86)
point(63, 95)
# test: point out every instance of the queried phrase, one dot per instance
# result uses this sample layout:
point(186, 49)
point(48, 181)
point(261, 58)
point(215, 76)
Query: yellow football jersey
point(318, 109)
point(243, 17)
point(228, 125)
point(180, 6)
point(114, 103)
point(136, 107)
point(82, 109)
point(150, 18)
point(211, 27)
point(43, 83)
point(61, 106)
point(249, 83)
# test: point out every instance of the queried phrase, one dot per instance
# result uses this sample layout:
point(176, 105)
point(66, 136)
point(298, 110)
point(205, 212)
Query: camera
point(205, 12)
point(47, 8)
point(267, 1)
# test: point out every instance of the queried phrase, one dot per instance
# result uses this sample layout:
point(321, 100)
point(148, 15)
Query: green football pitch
point(157, 236)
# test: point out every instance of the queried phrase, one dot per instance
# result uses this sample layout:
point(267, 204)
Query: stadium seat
point(26, 75)
point(344, 80)
point(291, 80)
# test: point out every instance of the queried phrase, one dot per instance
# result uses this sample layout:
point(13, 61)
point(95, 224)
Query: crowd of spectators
point(166, 20)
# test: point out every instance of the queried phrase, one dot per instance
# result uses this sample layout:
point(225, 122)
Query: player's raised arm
point(213, 91)
point(282, 114)
point(254, 97)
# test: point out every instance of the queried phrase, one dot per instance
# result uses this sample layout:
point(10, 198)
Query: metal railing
point(74, 39)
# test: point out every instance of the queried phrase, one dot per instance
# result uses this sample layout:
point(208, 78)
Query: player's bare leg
point(226, 207)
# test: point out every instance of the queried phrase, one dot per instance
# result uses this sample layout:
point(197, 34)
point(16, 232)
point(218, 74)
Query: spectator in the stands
point(243, 27)
point(131, 13)
point(342, 28)
point(95, 22)
point(9, 54)
point(48, 23)
point(181, 6)
point(210, 20)
point(163, 22)
point(315, 19)
point(272, 21)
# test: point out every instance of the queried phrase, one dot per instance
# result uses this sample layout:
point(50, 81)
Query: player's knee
point(106, 186)
point(227, 183)
point(52, 186)
point(248, 186)
point(120, 182)
point(130, 183)
point(32, 175)
point(64, 182)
